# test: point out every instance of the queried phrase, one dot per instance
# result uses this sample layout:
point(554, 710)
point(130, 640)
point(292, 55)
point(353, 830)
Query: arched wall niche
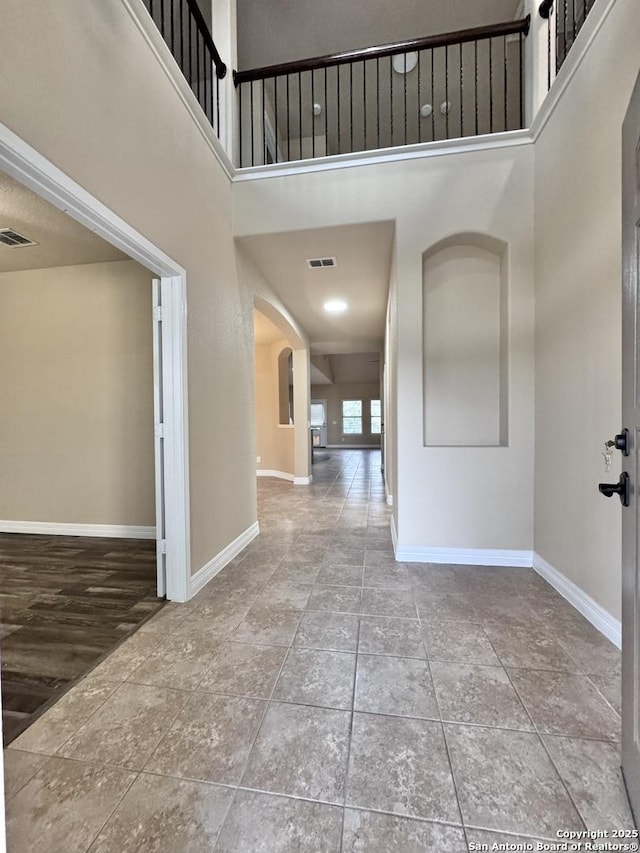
point(465, 342)
point(285, 386)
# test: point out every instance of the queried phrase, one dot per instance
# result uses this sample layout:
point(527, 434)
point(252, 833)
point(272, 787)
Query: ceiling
point(361, 278)
point(348, 368)
point(61, 240)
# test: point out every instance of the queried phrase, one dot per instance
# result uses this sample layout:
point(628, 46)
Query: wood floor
point(65, 602)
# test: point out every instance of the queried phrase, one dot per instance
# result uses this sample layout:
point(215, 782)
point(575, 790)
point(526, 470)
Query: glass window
point(376, 417)
point(352, 417)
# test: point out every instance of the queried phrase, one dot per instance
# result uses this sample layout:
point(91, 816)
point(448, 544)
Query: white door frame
point(28, 167)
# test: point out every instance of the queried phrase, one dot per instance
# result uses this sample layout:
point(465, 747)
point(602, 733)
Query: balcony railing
point(186, 33)
point(566, 18)
point(460, 84)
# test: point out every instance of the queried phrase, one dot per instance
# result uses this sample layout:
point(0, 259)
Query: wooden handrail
point(221, 68)
point(429, 42)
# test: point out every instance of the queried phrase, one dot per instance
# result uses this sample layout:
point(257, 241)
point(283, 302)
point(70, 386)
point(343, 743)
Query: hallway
point(317, 696)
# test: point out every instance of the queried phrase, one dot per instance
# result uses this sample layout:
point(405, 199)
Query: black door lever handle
point(622, 488)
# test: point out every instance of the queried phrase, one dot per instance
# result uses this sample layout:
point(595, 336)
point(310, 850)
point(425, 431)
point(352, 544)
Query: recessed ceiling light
point(335, 306)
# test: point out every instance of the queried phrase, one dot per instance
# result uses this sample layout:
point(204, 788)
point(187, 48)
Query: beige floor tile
point(165, 816)
point(340, 575)
point(388, 602)
point(465, 642)
point(179, 661)
point(468, 693)
point(391, 576)
point(587, 767)
point(506, 782)
point(400, 765)
point(59, 723)
point(528, 647)
point(343, 557)
point(301, 751)
point(62, 808)
point(243, 669)
point(337, 599)
point(127, 657)
point(380, 635)
point(611, 689)
point(592, 652)
point(314, 677)
point(566, 704)
point(366, 832)
point(263, 823)
point(330, 631)
point(125, 730)
point(392, 685)
point(284, 595)
point(448, 606)
point(19, 767)
point(210, 740)
point(267, 626)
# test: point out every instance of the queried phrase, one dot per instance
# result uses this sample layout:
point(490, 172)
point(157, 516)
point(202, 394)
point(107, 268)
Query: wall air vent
point(321, 263)
point(9, 237)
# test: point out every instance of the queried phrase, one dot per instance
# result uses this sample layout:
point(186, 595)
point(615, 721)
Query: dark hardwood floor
point(65, 603)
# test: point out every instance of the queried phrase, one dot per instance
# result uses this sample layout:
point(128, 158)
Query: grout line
point(544, 746)
point(350, 737)
point(442, 727)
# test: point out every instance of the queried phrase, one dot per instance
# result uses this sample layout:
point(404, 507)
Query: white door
point(158, 418)
point(318, 423)
point(631, 421)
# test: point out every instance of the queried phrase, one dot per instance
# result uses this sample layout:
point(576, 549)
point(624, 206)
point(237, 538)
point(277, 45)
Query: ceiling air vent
point(9, 237)
point(320, 263)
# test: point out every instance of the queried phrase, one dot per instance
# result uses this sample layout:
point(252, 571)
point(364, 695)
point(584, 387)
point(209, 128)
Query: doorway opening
point(93, 521)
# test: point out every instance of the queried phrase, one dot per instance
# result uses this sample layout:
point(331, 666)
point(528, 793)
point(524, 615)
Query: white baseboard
point(353, 446)
point(217, 563)
point(54, 528)
point(303, 481)
point(389, 500)
point(590, 609)
point(269, 472)
point(394, 535)
point(464, 556)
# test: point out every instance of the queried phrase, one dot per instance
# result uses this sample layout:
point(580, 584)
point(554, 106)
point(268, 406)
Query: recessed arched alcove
point(285, 386)
point(465, 342)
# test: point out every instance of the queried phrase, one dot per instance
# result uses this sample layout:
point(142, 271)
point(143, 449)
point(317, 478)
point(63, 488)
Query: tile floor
point(317, 696)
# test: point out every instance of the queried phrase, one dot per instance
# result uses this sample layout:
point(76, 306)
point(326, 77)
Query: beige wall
point(89, 95)
point(578, 268)
point(314, 29)
point(484, 496)
point(390, 391)
point(274, 443)
point(76, 435)
point(334, 395)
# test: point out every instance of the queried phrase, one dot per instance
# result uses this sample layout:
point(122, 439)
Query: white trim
point(55, 528)
point(389, 500)
point(464, 556)
point(353, 446)
point(590, 609)
point(30, 168)
point(579, 49)
point(394, 534)
point(160, 49)
point(202, 577)
point(486, 142)
point(303, 481)
point(270, 472)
